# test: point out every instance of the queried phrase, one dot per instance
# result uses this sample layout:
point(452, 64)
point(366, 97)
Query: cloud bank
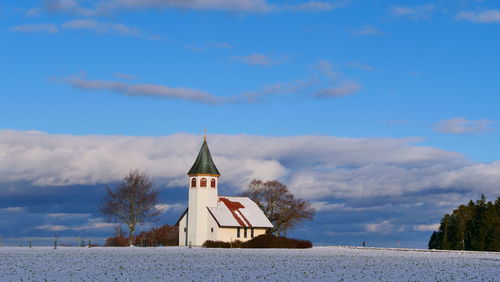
point(316, 167)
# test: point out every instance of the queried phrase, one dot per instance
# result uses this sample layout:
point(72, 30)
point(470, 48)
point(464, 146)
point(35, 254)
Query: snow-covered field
point(198, 264)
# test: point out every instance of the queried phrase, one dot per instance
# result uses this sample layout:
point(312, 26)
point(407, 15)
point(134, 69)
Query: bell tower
point(203, 181)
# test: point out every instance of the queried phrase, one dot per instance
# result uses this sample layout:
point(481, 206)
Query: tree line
point(474, 227)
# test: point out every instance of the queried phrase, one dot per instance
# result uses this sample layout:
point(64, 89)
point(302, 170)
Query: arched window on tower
point(203, 182)
point(212, 183)
point(193, 182)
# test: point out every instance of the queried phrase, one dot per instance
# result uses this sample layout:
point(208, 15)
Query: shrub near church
point(262, 242)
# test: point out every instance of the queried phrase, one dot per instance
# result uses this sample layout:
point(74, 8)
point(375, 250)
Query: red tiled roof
point(234, 209)
point(239, 212)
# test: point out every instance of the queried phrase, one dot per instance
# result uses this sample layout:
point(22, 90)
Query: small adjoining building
point(213, 217)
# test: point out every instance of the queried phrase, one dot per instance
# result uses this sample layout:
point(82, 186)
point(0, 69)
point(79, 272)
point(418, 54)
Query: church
point(213, 217)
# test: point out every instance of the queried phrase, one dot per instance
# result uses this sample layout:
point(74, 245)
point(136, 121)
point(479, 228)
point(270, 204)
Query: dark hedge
point(262, 242)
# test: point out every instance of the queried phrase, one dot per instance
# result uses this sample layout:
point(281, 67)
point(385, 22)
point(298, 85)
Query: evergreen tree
point(492, 222)
point(434, 241)
point(479, 226)
point(443, 230)
point(472, 227)
point(471, 213)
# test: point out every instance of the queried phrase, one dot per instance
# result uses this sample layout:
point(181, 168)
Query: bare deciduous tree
point(279, 205)
point(131, 202)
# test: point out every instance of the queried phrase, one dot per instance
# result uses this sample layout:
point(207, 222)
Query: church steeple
point(204, 165)
point(203, 194)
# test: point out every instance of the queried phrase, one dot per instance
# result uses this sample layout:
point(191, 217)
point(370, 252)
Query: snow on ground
point(200, 264)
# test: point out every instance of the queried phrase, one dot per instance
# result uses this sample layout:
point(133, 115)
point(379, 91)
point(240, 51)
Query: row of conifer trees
point(474, 227)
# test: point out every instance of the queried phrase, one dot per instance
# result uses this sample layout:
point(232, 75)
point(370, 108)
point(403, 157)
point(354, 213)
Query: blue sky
point(410, 85)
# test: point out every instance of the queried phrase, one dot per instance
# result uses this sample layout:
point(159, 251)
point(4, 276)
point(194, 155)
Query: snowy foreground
point(198, 264)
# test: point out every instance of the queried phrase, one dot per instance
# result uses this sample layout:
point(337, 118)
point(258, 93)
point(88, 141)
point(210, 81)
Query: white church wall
point(182, 230)
point(226, 234)
point(212, 228)
point(229, 234)
point(259, 231)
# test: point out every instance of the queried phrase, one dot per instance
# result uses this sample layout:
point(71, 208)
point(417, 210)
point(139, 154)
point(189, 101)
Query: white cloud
point(368, 30)
point(337, 85)
point(12, 209)
point(321, 206)
point(85, 24)
point(124, 76)
point(326, 68)
point(397, 122)
point(326, 83)
point(383, 227)
point(151, 90)
point(68, 215)
point(105, 28)
point(344, 89)
point(34, 12)
point(272, 89)
point(214, 45)
point(413, 12)
point(71, 6)
point(256, 59)
point(38, 28)
point(360, 66)
point(426, 227)
point(170, 207)
point(314, 6)
point(101, 27)
point(232, 5)
point(459, 125)
point(489, 16)
point(220, 45)
point(52, 227)
point(244, 6)
point(91, 226)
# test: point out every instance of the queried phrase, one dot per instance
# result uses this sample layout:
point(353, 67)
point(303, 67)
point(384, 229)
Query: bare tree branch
point(132, 202)
point(279, 205)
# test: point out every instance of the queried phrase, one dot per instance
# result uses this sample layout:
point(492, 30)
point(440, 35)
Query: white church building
point(213, 217)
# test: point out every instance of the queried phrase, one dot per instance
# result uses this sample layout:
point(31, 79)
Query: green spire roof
point(204, 163)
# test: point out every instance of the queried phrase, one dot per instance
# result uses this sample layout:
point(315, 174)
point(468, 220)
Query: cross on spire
point(204, 134)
